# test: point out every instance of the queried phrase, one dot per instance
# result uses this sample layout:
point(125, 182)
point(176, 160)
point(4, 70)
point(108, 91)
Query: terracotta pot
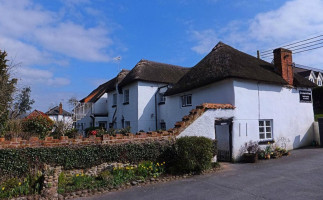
point(267, 156)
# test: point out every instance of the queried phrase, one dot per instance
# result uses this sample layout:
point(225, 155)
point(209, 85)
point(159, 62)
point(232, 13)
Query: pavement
point(298, 176)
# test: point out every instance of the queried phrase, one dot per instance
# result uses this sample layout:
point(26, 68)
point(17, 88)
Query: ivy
point(18, 162)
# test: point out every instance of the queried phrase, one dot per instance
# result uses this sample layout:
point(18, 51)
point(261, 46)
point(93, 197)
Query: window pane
point(267, 123)
point(268, 129)
point(183, 100)
point(262, 136)
point(268, 135)
point(261, 123)
point(189, 100)
point(261, 129)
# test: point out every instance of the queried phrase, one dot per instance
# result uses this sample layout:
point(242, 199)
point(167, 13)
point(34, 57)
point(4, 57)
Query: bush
point(17, 162)
point(193, 154)
point(39, 125)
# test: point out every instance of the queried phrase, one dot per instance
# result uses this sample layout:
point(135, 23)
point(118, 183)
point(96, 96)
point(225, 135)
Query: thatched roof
point(151, 71)
point(105, 87)
point(226, 62)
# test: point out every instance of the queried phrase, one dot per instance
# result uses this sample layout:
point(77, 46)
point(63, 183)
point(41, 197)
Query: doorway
point(223, 136)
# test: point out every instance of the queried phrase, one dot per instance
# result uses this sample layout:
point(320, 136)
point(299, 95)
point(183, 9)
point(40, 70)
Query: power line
point(307, 50)
point(292, 48)
point(294, 43)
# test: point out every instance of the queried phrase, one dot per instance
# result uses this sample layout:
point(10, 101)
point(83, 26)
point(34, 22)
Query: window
point(127, 124)
point(265, 129)
point(114, 103)
point(126, 97)
point(162, 98)
point(319, 83)
point(163, 126)
point(103, 125)
point(311, 79)
point(187, 100)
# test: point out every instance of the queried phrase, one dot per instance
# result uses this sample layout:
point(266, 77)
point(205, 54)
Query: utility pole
point(258, 54)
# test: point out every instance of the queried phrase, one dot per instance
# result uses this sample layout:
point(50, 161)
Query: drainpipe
point(156, 105)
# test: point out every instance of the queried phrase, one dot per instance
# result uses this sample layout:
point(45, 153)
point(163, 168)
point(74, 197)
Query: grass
point(316, 116)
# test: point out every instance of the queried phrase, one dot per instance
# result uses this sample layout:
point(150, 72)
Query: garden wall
point(65, 141)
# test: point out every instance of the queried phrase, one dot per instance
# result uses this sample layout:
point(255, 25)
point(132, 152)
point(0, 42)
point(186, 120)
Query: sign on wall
point(305, 96)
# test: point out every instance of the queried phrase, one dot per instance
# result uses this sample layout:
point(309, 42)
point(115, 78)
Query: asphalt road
point(298, 176)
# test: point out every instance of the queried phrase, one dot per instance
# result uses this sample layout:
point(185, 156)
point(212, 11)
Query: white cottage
point(57, 114)
point(272, 104)
point(250, 99)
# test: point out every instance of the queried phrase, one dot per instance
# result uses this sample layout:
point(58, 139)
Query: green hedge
point(193, 155)
point(17, 162)
point(187, 154)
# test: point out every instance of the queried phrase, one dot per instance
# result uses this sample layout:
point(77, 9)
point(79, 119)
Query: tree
point(7, 88)
point(22, 104)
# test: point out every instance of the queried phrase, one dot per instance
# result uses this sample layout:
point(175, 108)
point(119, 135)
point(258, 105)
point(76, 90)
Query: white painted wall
point(101, 105)
point(204, 125)
point(129, 111)
point(146, 105)
point(292, 119)
point(220, 92)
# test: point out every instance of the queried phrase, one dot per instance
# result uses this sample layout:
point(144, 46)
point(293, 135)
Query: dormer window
point(319, 82)
point(126, 96)
point(311, 79)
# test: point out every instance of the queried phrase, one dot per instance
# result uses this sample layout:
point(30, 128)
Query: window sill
point(186, 105)
point(114, 106)
point(161, 103)
point(262, 142)
point(125, 103)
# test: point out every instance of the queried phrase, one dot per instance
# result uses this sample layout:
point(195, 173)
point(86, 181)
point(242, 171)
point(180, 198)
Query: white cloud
point(206, 39)
point(293, 21)
point(34, 77)
point(26, 26)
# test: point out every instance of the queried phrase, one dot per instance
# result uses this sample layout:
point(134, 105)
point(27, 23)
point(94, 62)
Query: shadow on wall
point(306, 140)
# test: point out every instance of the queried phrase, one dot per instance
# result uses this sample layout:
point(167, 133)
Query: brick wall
point(119, 138)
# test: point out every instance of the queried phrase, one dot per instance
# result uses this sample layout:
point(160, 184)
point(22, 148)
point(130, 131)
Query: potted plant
point(268, 152)
point(251, 150)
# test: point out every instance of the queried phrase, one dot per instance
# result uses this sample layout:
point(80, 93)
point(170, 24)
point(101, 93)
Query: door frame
point(225, 121)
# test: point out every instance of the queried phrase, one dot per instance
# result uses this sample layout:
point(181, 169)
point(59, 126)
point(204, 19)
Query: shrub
point(17, 162)
point(39, 125)
point(193, 154)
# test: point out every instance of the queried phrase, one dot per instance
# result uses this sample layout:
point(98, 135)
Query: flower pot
point(267, 156)
point(250, 157)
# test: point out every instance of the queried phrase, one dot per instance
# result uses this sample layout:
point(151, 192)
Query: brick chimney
point(60, 109)
point(284, 64)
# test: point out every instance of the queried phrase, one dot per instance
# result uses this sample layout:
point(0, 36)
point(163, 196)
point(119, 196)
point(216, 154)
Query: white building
point(310, 73)
point(272, 103)
point(59, 114)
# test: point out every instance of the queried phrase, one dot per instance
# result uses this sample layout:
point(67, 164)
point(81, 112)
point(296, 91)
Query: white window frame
point(114, 99)
point(126, 96)
point(265, 128)
point(319, 82)
point(186, 100)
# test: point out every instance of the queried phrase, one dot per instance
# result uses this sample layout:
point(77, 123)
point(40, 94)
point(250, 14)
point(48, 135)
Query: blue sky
point(65, 48)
